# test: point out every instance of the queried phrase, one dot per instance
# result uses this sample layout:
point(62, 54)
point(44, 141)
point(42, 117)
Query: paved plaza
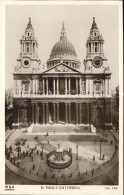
point(87, 156)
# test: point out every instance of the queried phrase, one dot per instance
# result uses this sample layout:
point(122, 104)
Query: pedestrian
point(111, 142)
point(37, 151)
point(92, 172)
point(103, 157)
point(33, 166)
point(93, 158)
point(41, 154)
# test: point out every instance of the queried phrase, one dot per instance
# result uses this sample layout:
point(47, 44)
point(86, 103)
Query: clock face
point(97, 62)
point(26, 62)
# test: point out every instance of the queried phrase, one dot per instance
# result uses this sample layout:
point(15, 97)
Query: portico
point(58, 113)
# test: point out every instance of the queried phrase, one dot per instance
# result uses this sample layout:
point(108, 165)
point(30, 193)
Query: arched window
point(95, 46)
point(89, 47)
point(98, 88)
point(34, 47)
point(27, 47)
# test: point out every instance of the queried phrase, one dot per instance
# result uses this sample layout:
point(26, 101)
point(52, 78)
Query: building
point(67, 92)
point(9, 97)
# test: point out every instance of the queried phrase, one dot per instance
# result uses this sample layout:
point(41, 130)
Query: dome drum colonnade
point(63, 80)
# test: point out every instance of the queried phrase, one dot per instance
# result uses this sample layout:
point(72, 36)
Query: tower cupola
point(95, 40)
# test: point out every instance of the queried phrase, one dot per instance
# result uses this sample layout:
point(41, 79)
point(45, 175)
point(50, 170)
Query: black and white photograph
point(63, 77)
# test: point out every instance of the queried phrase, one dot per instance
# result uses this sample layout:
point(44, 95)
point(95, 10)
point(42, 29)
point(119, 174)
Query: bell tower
point(95, 60)
point(28, 59)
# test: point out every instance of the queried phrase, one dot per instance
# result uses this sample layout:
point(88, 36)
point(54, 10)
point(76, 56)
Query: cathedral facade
point(66, 92)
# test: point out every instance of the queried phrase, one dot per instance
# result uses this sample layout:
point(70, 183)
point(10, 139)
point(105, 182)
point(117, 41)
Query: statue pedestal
point(30, 128)
point(93, 129)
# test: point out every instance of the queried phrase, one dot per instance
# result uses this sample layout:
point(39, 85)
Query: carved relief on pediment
point(61, 68)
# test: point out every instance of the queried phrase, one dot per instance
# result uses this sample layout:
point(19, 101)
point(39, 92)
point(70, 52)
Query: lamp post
point(100, 151)
point(77, 152)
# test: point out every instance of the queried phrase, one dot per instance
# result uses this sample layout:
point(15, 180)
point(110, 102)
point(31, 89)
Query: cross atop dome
point(63, 33)
point(94, 25)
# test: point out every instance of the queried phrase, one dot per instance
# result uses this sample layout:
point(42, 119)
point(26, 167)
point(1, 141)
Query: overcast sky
point(47, 22)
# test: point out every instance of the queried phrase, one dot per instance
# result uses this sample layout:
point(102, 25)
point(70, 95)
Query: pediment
point(61, 68)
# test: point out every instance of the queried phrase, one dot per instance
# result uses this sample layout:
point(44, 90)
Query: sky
point(47, 23)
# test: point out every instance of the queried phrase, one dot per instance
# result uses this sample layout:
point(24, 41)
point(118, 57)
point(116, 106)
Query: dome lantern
point(63, 33)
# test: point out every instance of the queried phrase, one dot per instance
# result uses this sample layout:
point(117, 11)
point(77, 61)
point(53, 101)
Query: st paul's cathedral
point(67, 91)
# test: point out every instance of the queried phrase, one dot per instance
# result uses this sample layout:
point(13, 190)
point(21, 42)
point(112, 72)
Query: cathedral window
point(27, 47)
point(95, 47)
point(98, 88)
point(89, 47)
point(34, 47)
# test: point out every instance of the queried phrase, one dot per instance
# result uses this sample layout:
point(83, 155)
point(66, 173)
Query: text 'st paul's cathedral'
point(67, 91)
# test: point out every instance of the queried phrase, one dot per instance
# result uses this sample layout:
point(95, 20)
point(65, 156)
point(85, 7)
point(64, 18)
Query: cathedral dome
point(63, 50)
point(63, 47)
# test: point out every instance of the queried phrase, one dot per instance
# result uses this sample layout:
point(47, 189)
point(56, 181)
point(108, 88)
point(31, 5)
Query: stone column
point(80, 85)
point(77, 86)
point(57, 113)
point(20, 87)
point(57, 86)
point(88, 121)
point(47, 113)
point(54, 113)
point(23, 89)
point(33, 86)
point(24, 47)
point(46, 86)
point(33, 113)
point(37, 86)
point(108, 86)
point(86, 86)
point(91, 87)
point(43, 86)
point(69, 87)
point(54, 86)
point(15, 87)
point(43, 113)
point(76, 113)
point(80, 113)
point(37, 113)
point(66, 113)
point(69, 113)
point(65, 86)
